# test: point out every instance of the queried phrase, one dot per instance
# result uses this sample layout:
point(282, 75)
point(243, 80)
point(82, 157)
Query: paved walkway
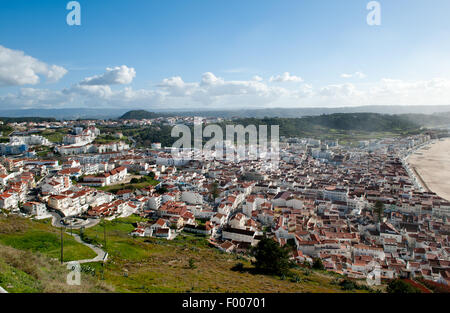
point(3, 290)
point(102, 256)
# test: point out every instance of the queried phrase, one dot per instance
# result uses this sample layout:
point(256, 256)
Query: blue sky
point(316, 42)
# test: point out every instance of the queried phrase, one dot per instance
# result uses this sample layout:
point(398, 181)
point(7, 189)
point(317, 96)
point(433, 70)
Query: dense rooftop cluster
point(356, 208)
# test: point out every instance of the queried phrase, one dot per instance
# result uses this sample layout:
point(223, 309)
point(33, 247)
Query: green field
point(147, 181)
point(55, 136)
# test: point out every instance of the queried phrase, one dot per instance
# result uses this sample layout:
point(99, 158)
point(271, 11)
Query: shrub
point(318, 265)
point(192, 264)
point(238, 267)
point(399, 286)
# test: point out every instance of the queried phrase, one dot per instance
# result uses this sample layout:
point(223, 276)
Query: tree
point(400, 286)
point(270, 257)
point(162, 190)
point(134, 181)
point(379, 209)
point(192, 263)
point(215, 191)
point(318, 265)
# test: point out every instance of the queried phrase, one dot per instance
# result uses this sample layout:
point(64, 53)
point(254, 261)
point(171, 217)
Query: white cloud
point(339, 90)
point(98, 91)
point(176, 87)
point(285, 77)
point(120, 75)
point(359, 75)
point(18, 69)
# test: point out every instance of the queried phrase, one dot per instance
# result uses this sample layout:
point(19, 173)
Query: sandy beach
point(433, 165)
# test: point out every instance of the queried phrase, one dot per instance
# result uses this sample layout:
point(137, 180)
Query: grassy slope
point(27, 272)
point(152, 265)
point(40, 237)
point(135, 264)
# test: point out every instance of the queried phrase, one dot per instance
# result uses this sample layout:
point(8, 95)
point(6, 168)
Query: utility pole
point(62, 245)
point(104, 232)
point(104, 238)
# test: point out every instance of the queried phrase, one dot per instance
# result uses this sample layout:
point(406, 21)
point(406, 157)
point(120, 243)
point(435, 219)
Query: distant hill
point(66, 114)
point(298, 112)
point(336, 123)
point(26, 119)
point(139, 115)
point(340, 126)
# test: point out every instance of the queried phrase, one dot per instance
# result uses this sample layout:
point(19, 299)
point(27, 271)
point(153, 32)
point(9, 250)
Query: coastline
point(431, 166)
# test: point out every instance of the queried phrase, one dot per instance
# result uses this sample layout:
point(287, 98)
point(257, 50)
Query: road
point(134, 142)
point(56, 222)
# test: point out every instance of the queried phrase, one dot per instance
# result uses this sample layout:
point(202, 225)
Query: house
point(8, 201)
point(444, 277)
point(204, 229)
point(71, 172)
point(125, 194)
point(165, 233)
point(219, 219)
point(37, 209)
point(4, 178)
point(388, 231)
point(154, 202)
point(56, 185)
point(241, 235)
point(160, 223)
point(361, 249)
point(238, 221)
point(299, 257)
point(59, 202)
point(191, 197)
point(227, 247)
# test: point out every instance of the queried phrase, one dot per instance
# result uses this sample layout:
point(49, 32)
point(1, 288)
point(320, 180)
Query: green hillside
point(139, 115)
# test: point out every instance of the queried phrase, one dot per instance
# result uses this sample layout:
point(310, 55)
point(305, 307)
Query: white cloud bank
point(18, 69)
point(212, 92)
